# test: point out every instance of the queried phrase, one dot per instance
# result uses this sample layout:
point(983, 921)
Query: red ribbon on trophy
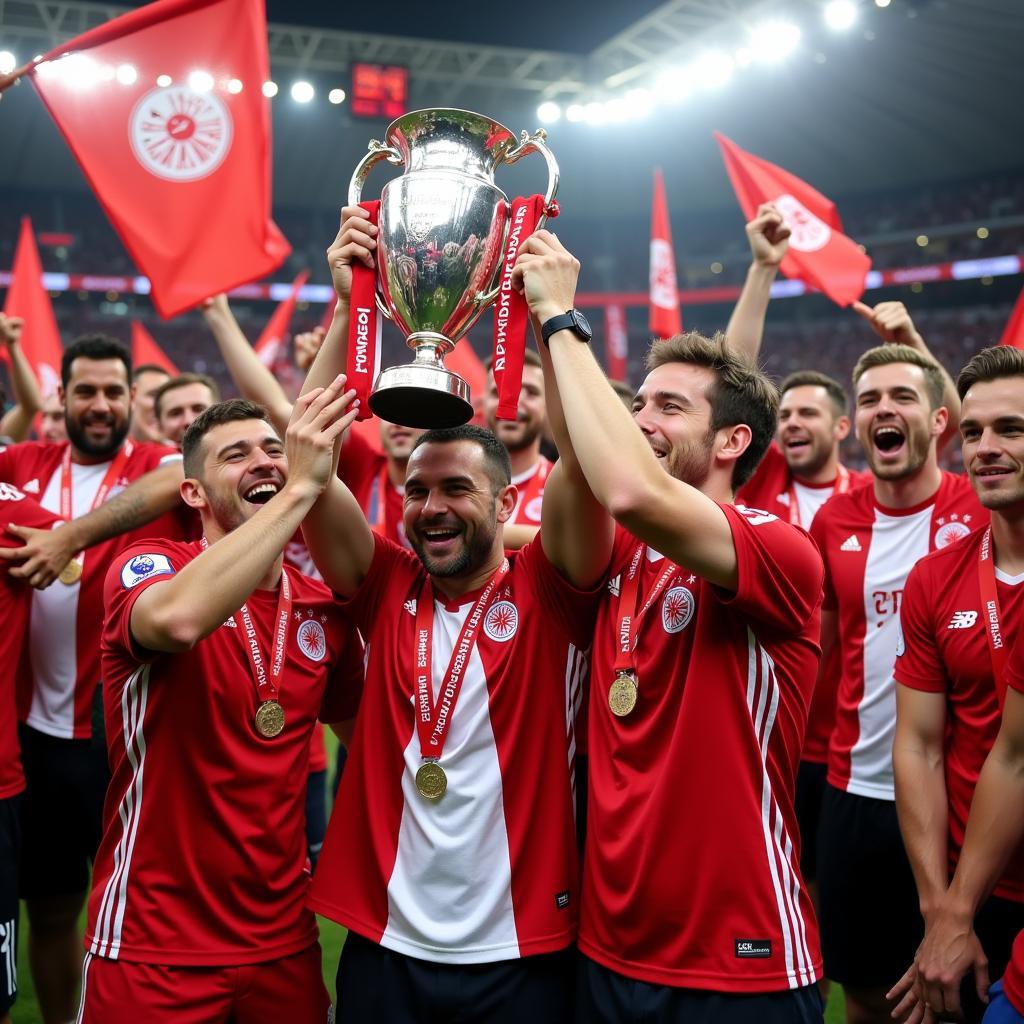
point(511, 313)
point(364, 326)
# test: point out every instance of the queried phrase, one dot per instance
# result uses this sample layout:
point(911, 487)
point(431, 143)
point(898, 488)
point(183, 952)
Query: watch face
point(582, 323)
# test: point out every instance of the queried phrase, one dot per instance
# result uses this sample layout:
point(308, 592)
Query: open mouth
point(798, 444)
point(992, 472)
point(261, 493)
point(439, 537)
point(888, 439)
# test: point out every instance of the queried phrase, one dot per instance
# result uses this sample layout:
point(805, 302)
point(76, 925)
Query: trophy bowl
point(443, 226)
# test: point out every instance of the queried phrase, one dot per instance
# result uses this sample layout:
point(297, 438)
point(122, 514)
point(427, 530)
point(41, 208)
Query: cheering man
point(217, 662)
point(703, 662)
point(451, 854)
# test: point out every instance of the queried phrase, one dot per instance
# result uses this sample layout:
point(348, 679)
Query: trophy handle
point(377, 152)
point(527, 144)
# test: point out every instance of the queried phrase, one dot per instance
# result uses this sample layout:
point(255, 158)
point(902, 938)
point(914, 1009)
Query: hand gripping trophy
point(444, 225)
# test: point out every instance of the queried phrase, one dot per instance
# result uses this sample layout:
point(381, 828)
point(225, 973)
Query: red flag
point(819, 254)
point(616, 342)
point(27, 298)
point(164, 111)
point(1014, 332)
point(271, 342)
point(145, 350)
point(666, 319)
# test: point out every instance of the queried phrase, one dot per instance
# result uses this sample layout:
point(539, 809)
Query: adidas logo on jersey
point(230, 622)
point(962, 620)
point(615, 585)
point(32, 487)
point(410, 606)
point(851, 544)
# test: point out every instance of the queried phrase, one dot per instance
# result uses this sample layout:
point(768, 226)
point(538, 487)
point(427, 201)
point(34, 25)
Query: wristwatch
point(572, 320)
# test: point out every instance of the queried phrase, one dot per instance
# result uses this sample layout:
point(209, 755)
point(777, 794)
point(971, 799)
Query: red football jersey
point(773, 488)
point(531, 493)
point(15, 604)
point(691, 874)
point(203, 855)
point(945, 650)
point(868, 551)
point(489, 871)
point(66, 620)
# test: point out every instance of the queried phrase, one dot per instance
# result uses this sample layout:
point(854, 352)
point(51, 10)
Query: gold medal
point(431, 780)
point(269, 719)
point(622, 695)
point(71, 573)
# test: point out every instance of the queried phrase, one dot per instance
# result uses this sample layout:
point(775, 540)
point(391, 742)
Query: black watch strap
point(570, 320)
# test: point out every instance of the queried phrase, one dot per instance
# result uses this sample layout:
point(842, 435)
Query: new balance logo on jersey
point(851, 544)
point(32, 487)
point(9, 493)
point(410, 606)
point(962, 620)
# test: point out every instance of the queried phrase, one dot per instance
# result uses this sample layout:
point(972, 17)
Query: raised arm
point(17, 421)
point(46, 552)
point(892, 323)
point(251, 377)
point(768, 236)
point(175, 615)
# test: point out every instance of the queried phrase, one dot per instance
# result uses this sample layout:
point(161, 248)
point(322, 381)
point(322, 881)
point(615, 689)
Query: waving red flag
point(27, 298)
point(271, 342)
point(666, 319)
point(163, 110)
point(616, 342)
point(819, 254)
point(145, 350)
point(1013, 334)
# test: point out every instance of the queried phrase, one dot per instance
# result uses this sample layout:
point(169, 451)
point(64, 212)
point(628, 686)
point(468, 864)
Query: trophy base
point(416, 395)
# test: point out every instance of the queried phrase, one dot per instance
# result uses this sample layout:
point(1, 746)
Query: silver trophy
point(443, 230)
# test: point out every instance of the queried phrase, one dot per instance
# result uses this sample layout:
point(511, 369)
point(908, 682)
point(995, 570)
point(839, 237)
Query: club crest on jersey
point(178, 134)
point(145, 567)
point(501, 621)
point(952, 531)
point(312, 639)
point(677, 609)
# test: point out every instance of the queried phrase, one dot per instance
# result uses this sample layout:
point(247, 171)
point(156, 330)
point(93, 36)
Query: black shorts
point(316, 815)
point(868, 908)
point(62, 814)
point(10, 843)
point(606, 997)
point(377, 984)
point(810, 791)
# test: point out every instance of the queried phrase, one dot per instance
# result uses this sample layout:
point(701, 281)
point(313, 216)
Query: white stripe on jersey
point(107, 931)
point(85, 981)
point(897, 543)
point(763, 687)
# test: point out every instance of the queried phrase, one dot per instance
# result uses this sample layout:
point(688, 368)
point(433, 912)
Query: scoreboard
point(379, 90)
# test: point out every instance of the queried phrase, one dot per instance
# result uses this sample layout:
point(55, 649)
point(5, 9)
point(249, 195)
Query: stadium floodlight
point(574, 112)
point(882, 3)
point(774, 41)
point(270, 89)
point(713, 69)
point(200, 81)
point(549, 112)
point(674, 84)
point(127, 74)
point(163, 81)
point(922, 240)
point(8, 62)
point(840, 14)
point(336, 96)
point(594, 113)
point(235, 86)
point(743, 57)
point(615, 110)
point(78, 71)
point(302, 92)
point(639, 103)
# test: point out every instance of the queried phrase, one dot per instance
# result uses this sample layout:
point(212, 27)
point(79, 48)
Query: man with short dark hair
point(870, 539)
point(217, 662)
point(178, 402)
point(82, 480)
point(145, 382)
point(451, 854)
point(703, 663)
point(962, 606)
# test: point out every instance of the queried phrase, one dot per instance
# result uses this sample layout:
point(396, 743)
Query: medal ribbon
point(990, 611)
point(629, 618)
point(114, 470)
point(842, 485)
point(433, 718)
point(267, 683)
point(364, 326)
point(511, 313)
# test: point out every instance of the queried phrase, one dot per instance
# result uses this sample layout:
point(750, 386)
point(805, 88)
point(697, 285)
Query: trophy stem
point(429, 346)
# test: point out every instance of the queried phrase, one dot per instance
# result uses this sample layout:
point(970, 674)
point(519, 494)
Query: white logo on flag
point(809, 233)
point(178, 134)
point(949, 533)
point(664, 292)
point(312, 640)
point(502, 621)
